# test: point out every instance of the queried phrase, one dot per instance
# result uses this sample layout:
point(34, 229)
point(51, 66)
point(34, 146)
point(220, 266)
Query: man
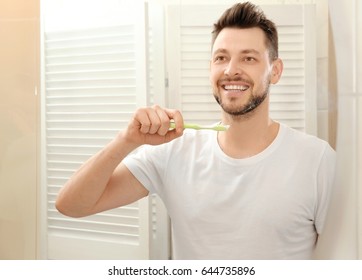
point(259, 190)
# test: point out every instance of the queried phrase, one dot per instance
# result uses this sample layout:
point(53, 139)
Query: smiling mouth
point(235, 87)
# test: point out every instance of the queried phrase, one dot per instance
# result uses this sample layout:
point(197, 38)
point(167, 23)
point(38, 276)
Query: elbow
point(65, 208)
point(61, 207)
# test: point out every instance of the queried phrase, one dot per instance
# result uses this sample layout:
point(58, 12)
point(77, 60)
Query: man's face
point(241, 71)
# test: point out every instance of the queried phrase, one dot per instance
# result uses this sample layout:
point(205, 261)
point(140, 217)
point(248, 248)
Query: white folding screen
point(95, 78)
point(293, 99)
point(160, 245)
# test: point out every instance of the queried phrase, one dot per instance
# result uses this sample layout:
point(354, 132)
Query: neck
point(248, 135)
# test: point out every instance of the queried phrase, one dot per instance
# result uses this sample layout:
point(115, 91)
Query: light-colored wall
point(19, 76)
point(343, 237)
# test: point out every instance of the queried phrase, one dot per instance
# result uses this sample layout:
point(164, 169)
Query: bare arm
point(104, 182)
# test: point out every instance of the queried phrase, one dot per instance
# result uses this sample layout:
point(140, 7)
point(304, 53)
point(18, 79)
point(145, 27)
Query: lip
point(236, 82)
point(234, 89)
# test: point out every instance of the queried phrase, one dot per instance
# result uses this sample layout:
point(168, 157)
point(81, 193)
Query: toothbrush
point(216, 127)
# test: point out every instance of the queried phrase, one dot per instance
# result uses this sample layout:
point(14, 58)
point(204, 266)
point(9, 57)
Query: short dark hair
point(248, 15)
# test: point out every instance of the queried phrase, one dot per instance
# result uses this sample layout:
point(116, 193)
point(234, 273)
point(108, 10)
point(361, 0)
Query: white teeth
point(235, 87)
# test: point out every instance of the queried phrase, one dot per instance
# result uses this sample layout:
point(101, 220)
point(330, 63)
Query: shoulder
point(303, 138)
point(306, 144)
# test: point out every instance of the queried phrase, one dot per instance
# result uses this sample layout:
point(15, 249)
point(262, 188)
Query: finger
point(141, 121)
point(154, 121)
point(178, 119)
point(173, 134)
point(164, 121)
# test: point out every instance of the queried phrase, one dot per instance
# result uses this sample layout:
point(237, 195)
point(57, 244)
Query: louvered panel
point(89, 82)
point(107, 217)
point(79, 133)
point(86, 225)
point(85, 66)
point(202, 107)
point(72, 149)
point(73, 40)
point(159, 221)
point(199, 97)
point(95, 91)
point(80, 100)
point(291, 55)
point(197, 90)
point(62, 124)
point(94, 235)
point(195, 61)
point(151, 66)
point(85, 74)
point(91, 33)
point(193, 71)
point(76, 39)
point(90, 95)
point(90, 79)
point(90, 108)
point(107, 39)
point(194, 81)
point(293, 63)
point(281, 97)
point(95, 116)
point(60, 164)
point(287, 101)
point(90, 49)
point(129, 210)
point(200, 56)
point(53, 158)
point(154, 200)
point(287, 80)
point(195, 65)
point(88, 59)
point(295, 72)
point(283, 89)
point(56, 182)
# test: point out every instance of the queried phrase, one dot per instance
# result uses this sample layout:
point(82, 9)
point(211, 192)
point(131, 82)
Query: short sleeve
point(146, 165)
point(325, 185)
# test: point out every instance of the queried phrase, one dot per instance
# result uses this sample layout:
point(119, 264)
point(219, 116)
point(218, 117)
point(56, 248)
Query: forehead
point(240, 39)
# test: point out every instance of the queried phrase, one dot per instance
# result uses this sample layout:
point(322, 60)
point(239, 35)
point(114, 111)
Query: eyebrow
point(246, 51)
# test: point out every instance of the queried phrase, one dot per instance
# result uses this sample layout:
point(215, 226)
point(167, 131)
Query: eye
point(219, 58)
point(249, 59)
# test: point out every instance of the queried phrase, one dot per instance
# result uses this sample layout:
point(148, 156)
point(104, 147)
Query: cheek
point(214, 77)
point(263, 78)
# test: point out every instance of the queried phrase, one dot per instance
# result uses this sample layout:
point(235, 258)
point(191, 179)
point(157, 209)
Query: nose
point(232, 68)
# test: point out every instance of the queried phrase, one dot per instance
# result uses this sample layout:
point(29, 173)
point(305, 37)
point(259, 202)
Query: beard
point(247, 109)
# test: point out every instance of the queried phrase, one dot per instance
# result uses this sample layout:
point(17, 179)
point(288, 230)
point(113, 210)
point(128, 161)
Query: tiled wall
point(19, 76)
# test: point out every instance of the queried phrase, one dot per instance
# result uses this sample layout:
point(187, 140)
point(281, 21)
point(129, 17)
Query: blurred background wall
point(19, 110)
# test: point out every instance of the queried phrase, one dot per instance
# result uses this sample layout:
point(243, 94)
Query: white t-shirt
point(269, 206)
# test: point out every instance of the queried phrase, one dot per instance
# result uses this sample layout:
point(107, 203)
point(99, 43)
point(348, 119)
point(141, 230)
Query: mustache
point(235, 79)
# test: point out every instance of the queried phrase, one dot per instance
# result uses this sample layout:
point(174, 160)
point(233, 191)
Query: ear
point(276, 71)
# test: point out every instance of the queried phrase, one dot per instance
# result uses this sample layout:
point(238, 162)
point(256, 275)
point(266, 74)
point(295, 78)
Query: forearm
point(99, 185)
point(83, 190)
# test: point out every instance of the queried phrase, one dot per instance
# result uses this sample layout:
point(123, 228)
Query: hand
point(151, 125)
